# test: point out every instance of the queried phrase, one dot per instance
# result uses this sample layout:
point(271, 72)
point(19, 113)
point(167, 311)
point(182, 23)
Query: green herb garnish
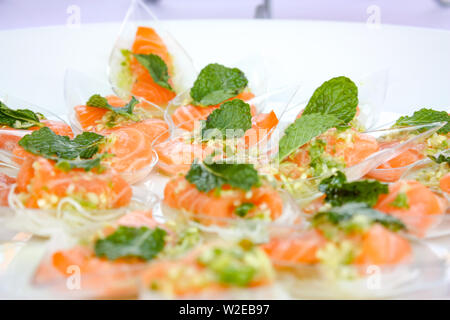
point(98, 101)
point(338, 191)
point(303, 130)
point(86, 164)
point(440, 159)
point(425, 116)
point(356, 216)
point(232, 119)
point(207, 177)
point(156, 67)
point(217, 83)
point(337, 96)
point(44, 142)
point(243, 209)
point(129, 242)
point(20, 118)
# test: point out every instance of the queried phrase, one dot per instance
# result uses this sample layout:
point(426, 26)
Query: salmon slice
point(176, 155)
point(9, 142)
point(444, 183)
point(377, 246)
point(5, 187)
point(132, 144)
point(186, 116)
point(383, 247)
point(89, 117)
point(107, 278)
point(301, 249)
point(425, 207)
point(40, 180)
point(147, 41)
point(393, 169)
point(262, 125)
point(180, 194)
point(357, 150)
point(362, 146)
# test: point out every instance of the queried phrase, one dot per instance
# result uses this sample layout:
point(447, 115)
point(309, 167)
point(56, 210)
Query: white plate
point(34, 61)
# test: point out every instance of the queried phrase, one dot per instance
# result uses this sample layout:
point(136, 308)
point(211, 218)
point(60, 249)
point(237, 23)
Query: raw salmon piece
point(176, 155)
point(132, 146)
point(100, 277)
point(393, 169)
point(146, 88)
point(444, 183)
point(362, 146)
point(381, 246)
point(8, 142)
point(5, 186)
point(180, 194)
point(354, 152)
point(109, 278)
point(301, 249)
point(425, 207)
point(262, 125)
point(39, 179)
point(89, 117)
point(186, 116)
point(147, 41)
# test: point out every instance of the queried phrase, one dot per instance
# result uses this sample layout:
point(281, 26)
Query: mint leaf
point(156, 67)
point(244, 208)
point(303, 130)
point(356, 216)
point(204, 179)
point(217, 83)
point(86, 164)
point(400, 201)
point(129, 242)
point(207, 177)
point(425, 116)
point(440, 159)
point(232, 119)
point(18, 119)
point(338, 191)
point(337, 96)
point(44, 142)
point(98, 101)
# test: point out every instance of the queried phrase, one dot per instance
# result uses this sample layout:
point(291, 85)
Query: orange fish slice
point(40, 181)
point(383, 247)
point(103, 277)
point(90, 117)
point(180, 194)
point(423, 208)
point(393, 169)
point(176, 155)
point(186, 116)
point(147, 41)
point(444, 183)
point(132, 144)
point(299, 249)
point(8, 142)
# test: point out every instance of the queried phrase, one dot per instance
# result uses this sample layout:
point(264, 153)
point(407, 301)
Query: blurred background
point(421, 13)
